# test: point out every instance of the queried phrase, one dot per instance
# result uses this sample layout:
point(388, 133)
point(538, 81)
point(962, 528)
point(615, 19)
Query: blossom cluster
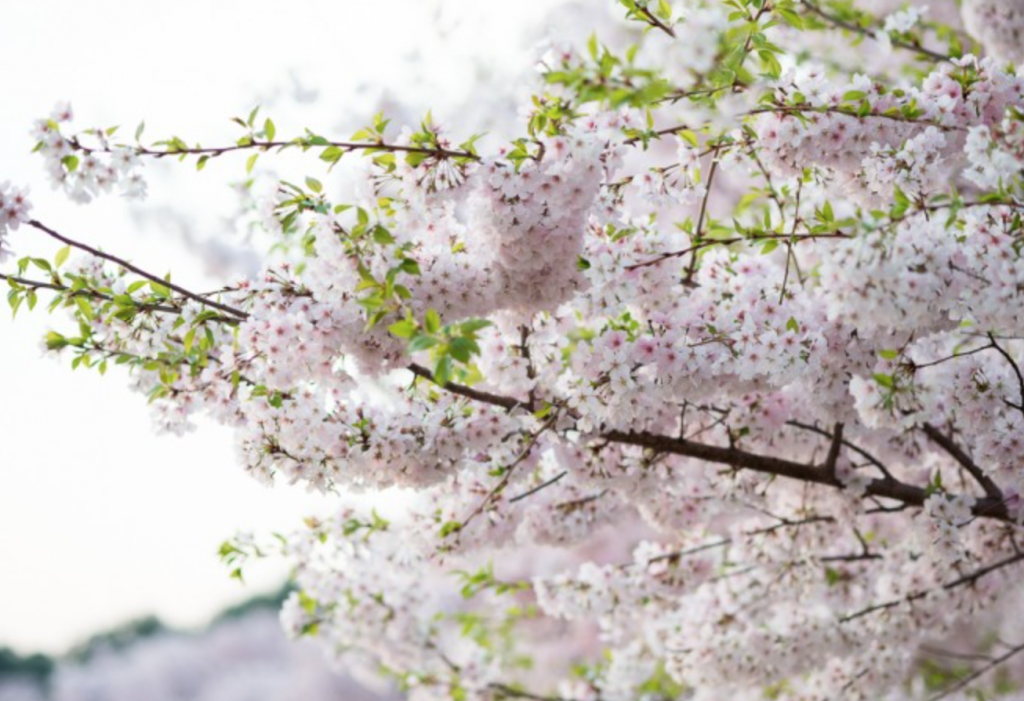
point(85, 172)
point(14, 209)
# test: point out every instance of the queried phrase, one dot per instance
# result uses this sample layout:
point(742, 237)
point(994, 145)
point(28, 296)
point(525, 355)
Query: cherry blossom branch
point(1016, 371)
point(801, 109)
point(794, 238)
point(960, 684)
point(215, 151)
point(653, 20)
point(790, 257)
point(512, 692)
point(833, 451)
point(852, 446)
point(887, 487)
point(540, 487)
point(91, 294)
point(470, 393)
point(829, 109)
point(849, 26)
point(692, 269)
point(524, 453)
point(914, 365)
point(239, 314)
point(785, 523)
point(969, 578)
point(950, 446)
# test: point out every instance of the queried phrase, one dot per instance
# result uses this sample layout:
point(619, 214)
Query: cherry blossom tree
point(701, 373)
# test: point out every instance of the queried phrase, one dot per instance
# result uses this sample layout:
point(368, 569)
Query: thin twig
point(977, 673)
point(899, 43)
point(538, 488)
point(138, 271)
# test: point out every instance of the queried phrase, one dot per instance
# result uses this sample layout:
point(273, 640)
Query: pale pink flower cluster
point(87, 171)
point(14, 211)
point(527, 222)
point(846, 139)
point(946, 515)
point(999, 25)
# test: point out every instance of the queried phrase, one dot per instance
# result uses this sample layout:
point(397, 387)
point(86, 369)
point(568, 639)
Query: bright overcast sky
point(101, 520)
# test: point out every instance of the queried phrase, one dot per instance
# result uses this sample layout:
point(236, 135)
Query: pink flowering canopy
point(702, 381)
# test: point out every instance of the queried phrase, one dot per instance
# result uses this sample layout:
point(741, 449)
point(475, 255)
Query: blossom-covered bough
point(706, 384)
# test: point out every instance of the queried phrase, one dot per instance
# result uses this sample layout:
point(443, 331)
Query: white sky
point(100, 520)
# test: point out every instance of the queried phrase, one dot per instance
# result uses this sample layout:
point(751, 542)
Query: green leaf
point(422, 343)
point(61, 257)
point(382, 236)
point(269, 130)
point(432, 322)
point(403, 329)
point(410, 266)
point(443, 370)
point(450, 527)
point(884, 380)
point(474, 325)
point(251, 162)
point(462, 349)
point(689, 137)
point(314, 185)
point(331, 154)
point(85, 308)
point(54, 341)
point(791, 18)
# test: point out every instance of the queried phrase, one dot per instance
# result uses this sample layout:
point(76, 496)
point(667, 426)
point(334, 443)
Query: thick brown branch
point(950, 446)
point(833, 451)
point(887, 488)
point(852, 446)
point(470, 393)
